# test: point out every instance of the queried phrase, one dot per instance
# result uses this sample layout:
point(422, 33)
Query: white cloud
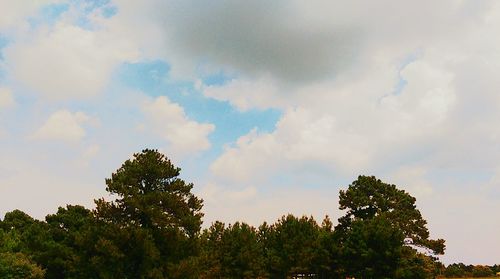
point(169, 120)
point(388, 109)
point(140, 24)
point(254, 207)
point(65, 61)
point(245, 94)
point(88, 154)
point(214, 194)
point(417, 108)
point(63, 125)
point(293, 42)
point(6, 102)
point(6, 98)
point(91, 151)
point(14, 12)
point(51, 182)
point(412, 179)
point(350, 128)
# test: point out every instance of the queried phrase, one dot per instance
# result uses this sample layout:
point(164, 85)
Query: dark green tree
point(32, 236)
point(19, 266)
point(17, 220)
point(329, 258)
point(368, 197)
point(154, 212)
point(232, 252)
point(112, 251)
point(151, 195)
point(293, 246)
point(454, 270)
point(415, 265)
point(64, 257)
point(15, 255)
point(9, 240)
point(372, 249)
point(482, 271)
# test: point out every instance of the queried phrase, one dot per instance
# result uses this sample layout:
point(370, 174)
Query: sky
point(268, 107)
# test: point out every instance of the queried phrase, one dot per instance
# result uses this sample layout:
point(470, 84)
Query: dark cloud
point(261, 38)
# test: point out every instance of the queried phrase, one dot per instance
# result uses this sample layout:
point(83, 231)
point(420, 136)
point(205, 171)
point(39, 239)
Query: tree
point(154, 210)
point(17, 220)
point(482, 271)
point(64, 258)
point(293, 246)
point(27, 236)
point(455, 270)
point(232, 252)
point(15, 262)
point(383, 210)
point(415, 265)
point(112, 251)
point(368, 197)
point(19, 266)
point(151, 195)
point(372, 249)
point(9, 241)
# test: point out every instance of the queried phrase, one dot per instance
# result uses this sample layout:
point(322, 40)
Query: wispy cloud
point(63, 125)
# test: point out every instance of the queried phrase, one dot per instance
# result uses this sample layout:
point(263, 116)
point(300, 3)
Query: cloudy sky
point(269, 107)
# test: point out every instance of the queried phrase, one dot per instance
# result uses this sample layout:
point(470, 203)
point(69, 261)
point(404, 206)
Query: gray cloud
point(299, 42)
point(260, 38)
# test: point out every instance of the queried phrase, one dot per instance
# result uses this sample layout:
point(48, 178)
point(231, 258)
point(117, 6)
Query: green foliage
point(19, 266)
point(293, 246)
point(482, 271)
point(232, 252)
point(27, 236)
point(68, 227)
point(329, 263)
point(460, 270)
point(368, 197)
point(16, 220)
point(15, 260)
point(415, 265)
point(151, 229)
point(372, 248)
point(155, 215)
point(150, 195)
point(116, 252)
point(495, 268)
point(455, 270)
point(374, 211)
point(9, 241)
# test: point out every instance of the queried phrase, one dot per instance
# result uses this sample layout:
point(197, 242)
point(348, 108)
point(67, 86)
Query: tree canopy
point(151, 195)
point(369, 197)
point(150, 227)
point(155, 214)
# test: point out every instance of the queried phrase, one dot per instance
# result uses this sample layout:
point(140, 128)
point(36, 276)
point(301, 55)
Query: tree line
point(461, 270)
point(152, 229)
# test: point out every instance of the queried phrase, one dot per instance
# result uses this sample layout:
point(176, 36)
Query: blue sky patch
point(412, 57)
point(49, 14)
point(152, 79)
